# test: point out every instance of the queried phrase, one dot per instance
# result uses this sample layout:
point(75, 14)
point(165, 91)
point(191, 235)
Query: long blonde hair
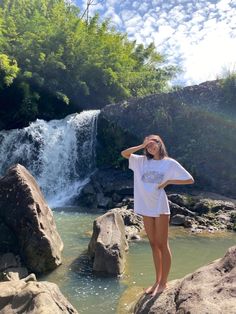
point(162, 149)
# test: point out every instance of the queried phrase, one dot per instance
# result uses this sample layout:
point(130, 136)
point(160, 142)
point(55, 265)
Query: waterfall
point(60, 154)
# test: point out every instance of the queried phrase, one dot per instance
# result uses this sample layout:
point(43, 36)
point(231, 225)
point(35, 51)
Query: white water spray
point(60, 154)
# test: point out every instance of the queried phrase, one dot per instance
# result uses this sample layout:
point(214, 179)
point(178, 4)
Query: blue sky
point(199, 36)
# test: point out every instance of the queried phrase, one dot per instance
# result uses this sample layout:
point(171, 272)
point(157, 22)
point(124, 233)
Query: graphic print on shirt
point(152, 176)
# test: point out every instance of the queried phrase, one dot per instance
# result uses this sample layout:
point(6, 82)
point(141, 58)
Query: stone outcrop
point(197, 128)
point(25, 213)
point(108, 244)
point(106, 189)
point(11, 268)
point(210, 289)
point(22, 296)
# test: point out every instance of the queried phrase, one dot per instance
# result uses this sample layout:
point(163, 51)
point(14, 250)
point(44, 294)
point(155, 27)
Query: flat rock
point(210, 289)
point(33, 297)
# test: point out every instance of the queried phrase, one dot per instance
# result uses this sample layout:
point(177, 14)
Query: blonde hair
point(162, 149)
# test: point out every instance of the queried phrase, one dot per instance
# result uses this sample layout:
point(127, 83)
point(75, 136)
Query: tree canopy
point(53, 62)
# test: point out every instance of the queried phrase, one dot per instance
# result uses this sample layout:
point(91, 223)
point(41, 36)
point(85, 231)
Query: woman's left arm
point(164, 184)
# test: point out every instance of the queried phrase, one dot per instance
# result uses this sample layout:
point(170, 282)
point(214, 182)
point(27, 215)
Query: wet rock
point(28, 297)
point(25, 212)
point(178, 220)
point(210, 289)
point(108, 244)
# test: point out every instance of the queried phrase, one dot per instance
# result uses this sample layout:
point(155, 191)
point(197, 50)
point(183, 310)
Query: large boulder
point(19, 296)
point(209, 290)
point(26, 214)
point(108, 244)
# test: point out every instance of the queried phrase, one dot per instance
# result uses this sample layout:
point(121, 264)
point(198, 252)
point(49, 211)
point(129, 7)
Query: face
point(152, 148)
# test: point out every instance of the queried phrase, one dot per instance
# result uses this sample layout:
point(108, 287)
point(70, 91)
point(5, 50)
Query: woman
point(153, 171)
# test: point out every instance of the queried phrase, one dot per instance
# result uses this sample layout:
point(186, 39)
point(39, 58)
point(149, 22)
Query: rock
point(106, 188)
point(14, 273)
point(116, 198)
point(223, 217)
point(176, 209)
point(178, 220)
point(129, 201)
point(208, 205)
point(209, 290)
point(133, 222)
point(201, 220)
point(30, 297)
point(87, 197)
point(181, 200)
point(8, 260)
point(222, 205)
point(25, 212)
point(103, 201)
point(164, 114)
point(11, 268)
point(8, 239)
point(189, 222)
point(108, 244)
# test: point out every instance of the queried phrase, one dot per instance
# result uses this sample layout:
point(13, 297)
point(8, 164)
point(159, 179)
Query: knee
point(162, 246)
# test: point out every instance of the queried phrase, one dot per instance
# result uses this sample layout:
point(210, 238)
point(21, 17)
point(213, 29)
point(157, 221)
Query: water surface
point(91, 295)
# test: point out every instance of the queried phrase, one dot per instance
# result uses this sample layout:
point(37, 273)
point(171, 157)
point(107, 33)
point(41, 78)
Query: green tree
point(71, 63)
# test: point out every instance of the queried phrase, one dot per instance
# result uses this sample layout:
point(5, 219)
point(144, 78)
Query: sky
point(199, 36)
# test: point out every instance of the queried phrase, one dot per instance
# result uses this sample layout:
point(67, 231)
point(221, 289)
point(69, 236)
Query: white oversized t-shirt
point(148, 174)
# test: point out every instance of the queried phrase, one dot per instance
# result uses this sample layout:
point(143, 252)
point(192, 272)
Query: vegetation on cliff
point(53, 62)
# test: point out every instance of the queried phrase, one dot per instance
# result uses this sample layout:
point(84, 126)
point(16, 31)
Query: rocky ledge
point(209, 290)
point(30, 296)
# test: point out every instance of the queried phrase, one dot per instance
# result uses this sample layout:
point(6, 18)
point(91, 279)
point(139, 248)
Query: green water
point(90, 294)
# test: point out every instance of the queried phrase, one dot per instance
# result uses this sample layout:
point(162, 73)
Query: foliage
point(83, 64)
point(8, 71)
point(229, 90)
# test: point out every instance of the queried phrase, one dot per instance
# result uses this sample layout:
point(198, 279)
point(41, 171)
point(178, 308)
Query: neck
point(156, 157)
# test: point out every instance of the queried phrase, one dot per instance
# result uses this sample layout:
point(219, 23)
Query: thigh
point(149, 225)
point(162, 229)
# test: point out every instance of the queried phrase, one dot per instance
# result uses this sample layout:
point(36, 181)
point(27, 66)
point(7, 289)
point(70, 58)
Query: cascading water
point(60, 154)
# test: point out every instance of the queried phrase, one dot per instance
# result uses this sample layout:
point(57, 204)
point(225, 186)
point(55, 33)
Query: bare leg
point(149, 225)
point(161, 233)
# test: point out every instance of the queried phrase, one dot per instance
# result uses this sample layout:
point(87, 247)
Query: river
point(91, 294)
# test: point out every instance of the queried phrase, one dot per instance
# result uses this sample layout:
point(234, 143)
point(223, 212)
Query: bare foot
point(158, 289)
point(151, 288)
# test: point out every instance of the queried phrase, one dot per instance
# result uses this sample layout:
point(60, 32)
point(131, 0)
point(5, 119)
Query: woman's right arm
point(127, 152)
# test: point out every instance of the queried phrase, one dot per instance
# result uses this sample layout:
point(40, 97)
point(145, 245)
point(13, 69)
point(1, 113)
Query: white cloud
point(198, 35)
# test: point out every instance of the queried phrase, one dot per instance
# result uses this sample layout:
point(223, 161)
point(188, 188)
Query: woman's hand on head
point(146, 141)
